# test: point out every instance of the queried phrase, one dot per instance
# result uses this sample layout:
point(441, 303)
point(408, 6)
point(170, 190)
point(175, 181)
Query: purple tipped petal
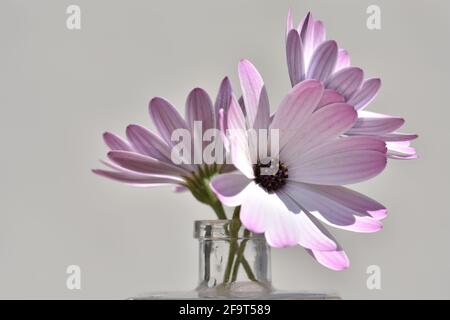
point(334, 260)
point(319, 34)
point(289, 22)
point(199, 108)
point(223, 100)
point(346, 81)
point(294, 56)
point(332, 212)
point(396, 137)
point(324, 124)
point(340, 168)
point(230, 188)
point(323, 61)
point(296, 108)
point(144, 164)
point(145, 142)
point(365, 94)
point(355, 201)
point(166, 118)
point(306, 32)
point(115, 142)
point(343, 60)
point(330, 97)
point(255, 95)
point(137, 179)
point(375, 124)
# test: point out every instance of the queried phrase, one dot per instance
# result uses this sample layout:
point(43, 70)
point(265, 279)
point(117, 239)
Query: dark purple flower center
point(271, 175)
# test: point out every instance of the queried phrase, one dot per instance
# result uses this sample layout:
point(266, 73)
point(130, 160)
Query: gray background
point(60, 89)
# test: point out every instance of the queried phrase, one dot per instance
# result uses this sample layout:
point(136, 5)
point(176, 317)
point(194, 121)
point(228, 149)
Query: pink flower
point(314, 161)
point(145, 158)
point(311, 56)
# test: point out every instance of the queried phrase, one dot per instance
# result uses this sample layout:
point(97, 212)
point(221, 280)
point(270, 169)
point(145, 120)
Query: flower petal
point(230, 188)
point(199, 108)
point(329, 97)
point(255, 95)
point(306, 31)
point(145, 142)
point(375, 124)
point(296, 108)
point(223, 100)
point(401, 151)
point(323, 61)
point(166, 119)
point(365, 94)
point(324, 124)
point(238, 139)
point(346, 81)
point(397, 137)
point(334, 260)
point(341, 168)
point(294, 56)
point(289, 22)
point(343, 60)
point(144, 164)
point(331, 211)
point(137, 179)
point(114, 142)
point(319, 35)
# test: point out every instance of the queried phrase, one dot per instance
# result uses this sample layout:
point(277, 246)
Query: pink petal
point(365, 94)
point(137, 179)
point(401, 151)
point(296, 108)
point(375, 124)
point(289, 22)
point(340, 168)
point(319, 34)
point(329, 97)
point(223, 100)
point(323, 61)
point(306, 31)
point(255, 209)
point(144, 164)
point(147, 143)
point(344, 144)
point(255, 95)
point(199, 108)
point(237, 137)
point(343, 60)
point(324, 124)
point(230, 188)
point(294, 56)
point(166, 119)
point(334, 260)
point(115, 142)
point(330, 211)
point(397, 137)
point(346, 81)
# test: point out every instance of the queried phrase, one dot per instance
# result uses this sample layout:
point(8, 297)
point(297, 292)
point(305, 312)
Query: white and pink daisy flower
point(310, 56)
point(314, 161)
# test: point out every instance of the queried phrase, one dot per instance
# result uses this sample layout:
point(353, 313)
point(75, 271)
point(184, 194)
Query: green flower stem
point(241, 260)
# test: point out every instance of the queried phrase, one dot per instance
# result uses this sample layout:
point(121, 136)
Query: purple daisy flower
point(145, 159)
point(314, 161)
point(310, 56)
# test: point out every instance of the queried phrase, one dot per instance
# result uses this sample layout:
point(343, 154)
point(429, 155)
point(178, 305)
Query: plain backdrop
point(61, 89)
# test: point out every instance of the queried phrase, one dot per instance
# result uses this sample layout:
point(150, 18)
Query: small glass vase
point(234, 263)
